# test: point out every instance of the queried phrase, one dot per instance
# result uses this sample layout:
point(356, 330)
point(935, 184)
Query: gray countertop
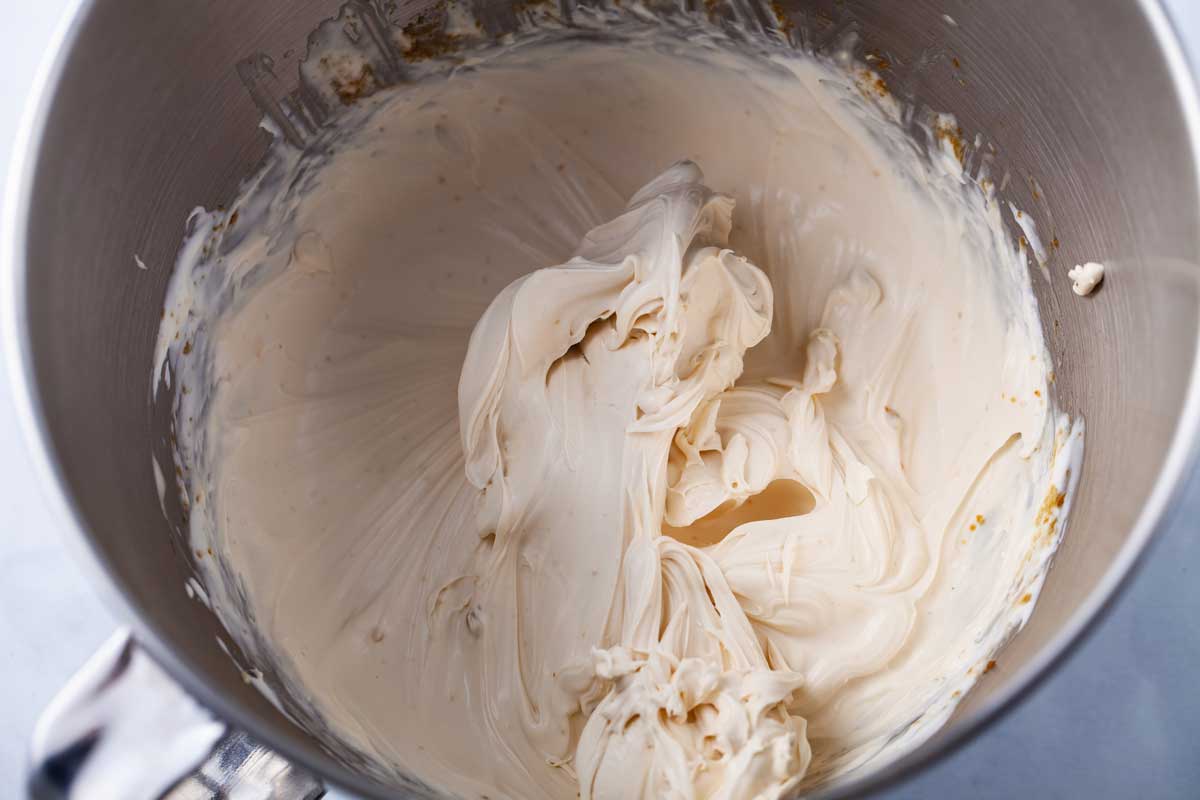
point(1117, 720)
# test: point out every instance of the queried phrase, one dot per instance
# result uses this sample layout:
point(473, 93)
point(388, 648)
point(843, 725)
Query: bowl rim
point(1159, 512)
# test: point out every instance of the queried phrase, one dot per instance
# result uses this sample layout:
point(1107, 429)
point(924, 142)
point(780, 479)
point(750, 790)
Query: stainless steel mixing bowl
point(142, 115)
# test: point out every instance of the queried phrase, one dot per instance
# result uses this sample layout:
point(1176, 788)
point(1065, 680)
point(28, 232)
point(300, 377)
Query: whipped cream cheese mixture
point(1086, 277)
point(616, 415)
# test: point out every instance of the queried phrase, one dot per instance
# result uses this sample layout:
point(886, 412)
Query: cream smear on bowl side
point(621, 414)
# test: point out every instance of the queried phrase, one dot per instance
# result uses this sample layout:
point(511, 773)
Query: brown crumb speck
point(991, 665)
point(1047, 515)
point(879, 60)
point(349, 88)
point(870, 82)
point(781, 17)
point(428, 39)
point(1026, 598)
point(946, 131)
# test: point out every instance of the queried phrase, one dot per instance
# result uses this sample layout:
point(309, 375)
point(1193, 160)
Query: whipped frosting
point(524, 459)
point(1085, 277)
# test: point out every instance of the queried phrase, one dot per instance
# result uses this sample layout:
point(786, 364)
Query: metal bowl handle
point(122, 728)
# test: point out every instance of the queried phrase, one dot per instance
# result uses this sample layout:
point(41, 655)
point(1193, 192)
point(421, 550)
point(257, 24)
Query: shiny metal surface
point(240, 767)
point(119, 728)
point(122, 728)
point(143, 116)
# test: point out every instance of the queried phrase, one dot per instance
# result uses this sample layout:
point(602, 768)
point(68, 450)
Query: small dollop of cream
point(1086, 277)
